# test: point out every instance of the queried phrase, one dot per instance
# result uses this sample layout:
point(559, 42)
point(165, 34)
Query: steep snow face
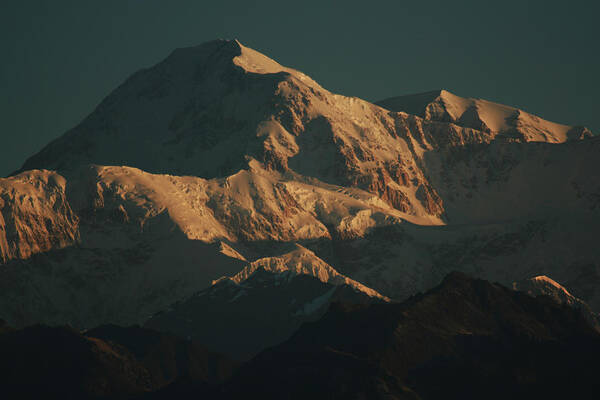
point(35, 215)
point(498, 182)
point(483, 115)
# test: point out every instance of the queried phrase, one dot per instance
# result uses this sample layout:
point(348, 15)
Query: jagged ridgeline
point(219, 162)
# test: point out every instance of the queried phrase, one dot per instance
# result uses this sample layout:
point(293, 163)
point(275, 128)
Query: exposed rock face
point(35, 215)
point(218, 157)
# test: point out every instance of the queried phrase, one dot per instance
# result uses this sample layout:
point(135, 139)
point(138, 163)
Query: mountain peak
point(543, 285)
point(253, 61)
point(301, 261)
point(224, 47)
point(444, 93)
point(171, 116)
point(232, 50)
point(549, 281)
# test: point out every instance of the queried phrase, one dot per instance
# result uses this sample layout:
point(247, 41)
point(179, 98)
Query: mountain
point(107, 362)
point(219, 160)
point(483, 115)
point(206, 110)
point(302, 261)
point(466, 338)
point(544, 286)
point(262, 305)
point(195, 113)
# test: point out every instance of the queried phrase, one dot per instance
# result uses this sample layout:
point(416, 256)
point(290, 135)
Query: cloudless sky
point(60, 58)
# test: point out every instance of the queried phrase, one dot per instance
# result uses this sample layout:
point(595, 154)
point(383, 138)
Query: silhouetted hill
point(44, 362)
point(108, 362)
point(466, 338)
point(168, 357)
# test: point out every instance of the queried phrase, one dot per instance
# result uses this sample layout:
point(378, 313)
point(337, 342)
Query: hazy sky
point(59, 58)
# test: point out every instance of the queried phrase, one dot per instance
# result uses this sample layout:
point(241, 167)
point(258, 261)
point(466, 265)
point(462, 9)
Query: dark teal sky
point(59, 58)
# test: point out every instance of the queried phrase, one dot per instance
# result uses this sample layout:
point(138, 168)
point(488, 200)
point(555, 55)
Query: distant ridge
point(441, 105)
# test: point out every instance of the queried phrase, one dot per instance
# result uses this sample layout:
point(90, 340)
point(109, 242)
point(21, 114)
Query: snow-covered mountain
point(218, 161)
point(483, 115)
